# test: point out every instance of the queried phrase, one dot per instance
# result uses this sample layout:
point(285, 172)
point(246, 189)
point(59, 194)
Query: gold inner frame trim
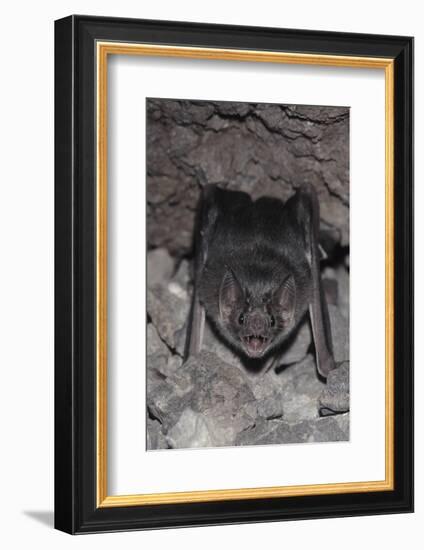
point(103, 50)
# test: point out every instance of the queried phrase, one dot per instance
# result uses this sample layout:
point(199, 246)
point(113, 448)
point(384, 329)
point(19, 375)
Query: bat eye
point(272, 320)
point(241, 319)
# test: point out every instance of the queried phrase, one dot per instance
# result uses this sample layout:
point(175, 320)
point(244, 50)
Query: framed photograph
point(234, 274)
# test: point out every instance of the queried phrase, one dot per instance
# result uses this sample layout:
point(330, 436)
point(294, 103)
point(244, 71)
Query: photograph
point(247, 239)
point(211, 262)
point(233, 273)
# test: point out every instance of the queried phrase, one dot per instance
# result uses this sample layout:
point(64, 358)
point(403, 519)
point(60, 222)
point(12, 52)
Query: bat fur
point(257, 273)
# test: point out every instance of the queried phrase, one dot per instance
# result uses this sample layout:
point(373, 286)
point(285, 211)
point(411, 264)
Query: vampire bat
point(257, 273)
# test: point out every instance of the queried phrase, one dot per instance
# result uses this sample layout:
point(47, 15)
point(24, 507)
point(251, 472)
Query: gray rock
point(190, 431)
point(340, 334)
point(180, 338)
point(232, 109)
point(207, 402)
point(269, 395)
point(213, 400)
point(274, 432)
point(155, 438)
point(159, 356)
point(214, 344)
point(291, 393)
point(167, 398)
point(158, 353)
point(335, 396)
point(300, 390)
point(168, 308)
point(342, 276)
point(271, 406)
point(263, 149)
point(297, 348)
point(160, 267)
point(173, 364)
point(206, 386)
point(183, 275)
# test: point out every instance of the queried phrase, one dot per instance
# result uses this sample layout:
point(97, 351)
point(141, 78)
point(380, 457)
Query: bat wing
point(205, 226)
point(306, 215)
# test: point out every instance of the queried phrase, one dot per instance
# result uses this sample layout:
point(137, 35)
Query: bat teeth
point(255, 343)
point(251, 337)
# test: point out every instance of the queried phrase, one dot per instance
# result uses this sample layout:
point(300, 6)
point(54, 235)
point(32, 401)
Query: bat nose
point(257, 322)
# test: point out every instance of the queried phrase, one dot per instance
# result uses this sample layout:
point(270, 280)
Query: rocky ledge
point(214, 399)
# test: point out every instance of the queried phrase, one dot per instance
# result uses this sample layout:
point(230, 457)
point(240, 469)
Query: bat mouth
point(255, 344)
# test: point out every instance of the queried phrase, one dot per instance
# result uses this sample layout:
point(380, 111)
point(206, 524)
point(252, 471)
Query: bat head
point(256, 319)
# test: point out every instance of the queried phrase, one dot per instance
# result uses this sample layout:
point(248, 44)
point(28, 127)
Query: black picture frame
point(76, 509)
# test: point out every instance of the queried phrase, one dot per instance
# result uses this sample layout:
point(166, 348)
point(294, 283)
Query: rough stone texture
point(339, 277)
point(190, 431)
point(215, 400)
point(160, 358)
point(204, 400)
point(301, 389)
point(157, 352)
point(332, 428)
point(213, 342)
point(160, 267)
point(183, 275)
point(339, 333)
point(168, 307)
point(263, 149)
point(297, 348)
point(208, 402)
point(335, 396)
point(218, 399)
point(155, 438)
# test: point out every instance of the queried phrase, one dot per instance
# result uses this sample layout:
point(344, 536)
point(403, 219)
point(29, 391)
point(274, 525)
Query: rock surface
point(155, 438)
point(209, 402)
point(264, 149)
point(339, 333)
point(274, 432)
point(205, 400)
point(168, 307)
point(214, 400)
point(160, 266)
point(335, 396)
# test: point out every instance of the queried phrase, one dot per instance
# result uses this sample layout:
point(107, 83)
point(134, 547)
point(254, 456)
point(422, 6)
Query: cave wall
point(263, 149)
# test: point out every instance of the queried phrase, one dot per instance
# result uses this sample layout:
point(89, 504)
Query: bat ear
point(230, 293)
point(285, 299)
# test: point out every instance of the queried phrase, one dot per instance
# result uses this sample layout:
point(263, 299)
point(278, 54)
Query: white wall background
point(26, 275)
